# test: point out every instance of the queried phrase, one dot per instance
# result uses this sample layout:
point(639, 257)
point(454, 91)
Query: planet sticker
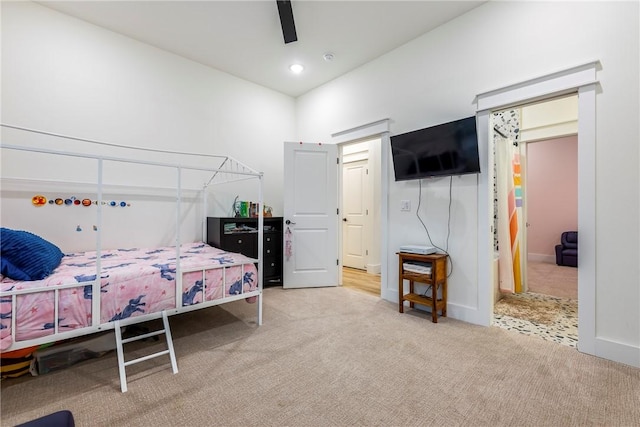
point(39, 200)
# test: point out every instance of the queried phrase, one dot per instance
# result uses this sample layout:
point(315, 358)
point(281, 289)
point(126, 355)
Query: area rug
point(545, 316)
point(531, 307)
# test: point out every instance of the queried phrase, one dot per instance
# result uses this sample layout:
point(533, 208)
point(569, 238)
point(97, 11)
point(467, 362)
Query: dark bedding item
point(57, 419)
point(25, 256)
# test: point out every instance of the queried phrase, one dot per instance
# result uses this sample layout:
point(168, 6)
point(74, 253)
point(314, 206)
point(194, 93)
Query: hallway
point(361, 281)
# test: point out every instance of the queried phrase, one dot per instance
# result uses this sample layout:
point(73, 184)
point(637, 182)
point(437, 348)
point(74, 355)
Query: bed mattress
point(133, 282)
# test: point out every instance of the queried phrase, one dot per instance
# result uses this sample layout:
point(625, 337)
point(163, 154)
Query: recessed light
point(296, 68)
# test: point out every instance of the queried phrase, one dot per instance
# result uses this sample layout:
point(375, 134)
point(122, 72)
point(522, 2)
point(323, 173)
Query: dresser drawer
point(243, 243)
point(272, 245)
point(272, 267)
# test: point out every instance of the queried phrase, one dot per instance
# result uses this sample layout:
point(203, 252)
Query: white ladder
point(119, 347)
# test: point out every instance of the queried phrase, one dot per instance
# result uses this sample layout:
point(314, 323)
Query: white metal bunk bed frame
point(224, 173)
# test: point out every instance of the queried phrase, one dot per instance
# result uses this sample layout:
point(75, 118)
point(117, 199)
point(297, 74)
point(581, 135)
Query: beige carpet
point(337, 357)
point(551, 279)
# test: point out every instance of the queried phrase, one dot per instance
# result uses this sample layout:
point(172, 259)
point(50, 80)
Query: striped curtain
point(509, 195)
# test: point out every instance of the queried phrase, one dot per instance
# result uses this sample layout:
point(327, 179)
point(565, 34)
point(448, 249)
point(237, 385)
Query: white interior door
point(354, 214)
point(310, 215)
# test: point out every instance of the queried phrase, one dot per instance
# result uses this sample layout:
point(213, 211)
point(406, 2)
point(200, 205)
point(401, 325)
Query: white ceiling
point(244, 38)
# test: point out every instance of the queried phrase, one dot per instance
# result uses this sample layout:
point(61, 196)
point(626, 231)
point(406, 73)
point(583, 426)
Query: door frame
point(583, 80)
point(378, 129)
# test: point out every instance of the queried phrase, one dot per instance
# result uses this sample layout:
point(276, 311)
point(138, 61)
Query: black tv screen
point(441, 150)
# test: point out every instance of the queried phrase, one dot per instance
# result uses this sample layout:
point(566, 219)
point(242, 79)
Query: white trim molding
point(364, 131)
point(557, 83)
point(378, 129)
point(581, 79)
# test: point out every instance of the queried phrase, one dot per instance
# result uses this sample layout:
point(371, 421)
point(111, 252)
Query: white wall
point(435, 78)
point(66, 76)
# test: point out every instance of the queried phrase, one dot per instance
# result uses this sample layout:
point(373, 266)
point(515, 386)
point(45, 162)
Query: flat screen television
point(442, 150)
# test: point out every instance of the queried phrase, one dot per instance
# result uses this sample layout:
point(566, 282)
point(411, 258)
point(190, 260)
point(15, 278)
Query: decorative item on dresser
point(428, 269)
point(241, 235)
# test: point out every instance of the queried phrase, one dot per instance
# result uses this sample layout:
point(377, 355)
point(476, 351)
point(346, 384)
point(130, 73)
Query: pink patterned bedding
point(133, 282)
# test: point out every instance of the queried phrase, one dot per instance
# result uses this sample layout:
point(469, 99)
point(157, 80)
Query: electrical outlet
point(405, 205)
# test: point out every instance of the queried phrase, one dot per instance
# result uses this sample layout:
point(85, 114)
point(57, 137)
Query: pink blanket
point(133, 282)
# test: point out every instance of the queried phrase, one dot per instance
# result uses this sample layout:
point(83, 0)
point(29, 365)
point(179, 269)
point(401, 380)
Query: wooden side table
point(437, 279)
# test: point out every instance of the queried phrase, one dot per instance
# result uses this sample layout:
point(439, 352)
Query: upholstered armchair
point(567, 250)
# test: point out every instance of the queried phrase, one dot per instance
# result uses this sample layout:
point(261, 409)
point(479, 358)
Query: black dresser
point(241, 235)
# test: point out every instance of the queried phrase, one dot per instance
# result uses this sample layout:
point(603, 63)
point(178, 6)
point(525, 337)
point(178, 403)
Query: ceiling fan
point(286, 21)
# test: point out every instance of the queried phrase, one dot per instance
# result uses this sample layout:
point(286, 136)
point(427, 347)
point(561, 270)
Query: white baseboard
point(373, 268)
point(467, 314)
point(454, 311)
point(618, 352)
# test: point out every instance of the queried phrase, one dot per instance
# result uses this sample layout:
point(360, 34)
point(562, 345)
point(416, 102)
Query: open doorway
point(359, 191)
point(536, 151)
point(552, 210)
point(583, 80)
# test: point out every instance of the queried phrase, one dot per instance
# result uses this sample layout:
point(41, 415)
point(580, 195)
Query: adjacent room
point(541, 298)
point(248, 197)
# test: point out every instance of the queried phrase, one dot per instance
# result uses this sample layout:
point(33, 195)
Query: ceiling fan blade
point(286, 21)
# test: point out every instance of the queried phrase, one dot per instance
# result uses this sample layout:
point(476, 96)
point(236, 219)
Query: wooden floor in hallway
point(361, 280)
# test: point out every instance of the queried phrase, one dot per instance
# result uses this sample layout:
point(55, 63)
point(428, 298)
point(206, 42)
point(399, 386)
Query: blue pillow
point(25, 256)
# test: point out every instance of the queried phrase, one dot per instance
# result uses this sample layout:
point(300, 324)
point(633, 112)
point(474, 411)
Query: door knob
point(344, 219)
point(289, 222)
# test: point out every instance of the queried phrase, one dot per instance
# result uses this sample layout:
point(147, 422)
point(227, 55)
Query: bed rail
point(96, 326)
point(227, 169)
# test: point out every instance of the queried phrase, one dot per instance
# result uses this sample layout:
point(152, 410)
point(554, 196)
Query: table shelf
point(436, 279)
